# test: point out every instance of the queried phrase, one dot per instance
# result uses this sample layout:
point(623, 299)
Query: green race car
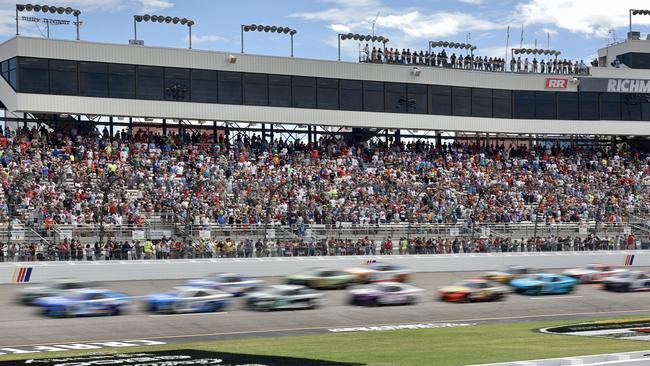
point(322, 278)
point(281, 297)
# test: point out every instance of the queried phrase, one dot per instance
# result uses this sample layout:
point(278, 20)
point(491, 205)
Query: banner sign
point(204, 234)
point(554, 83)
point(614, 85)
point(137, 234)
point(159, 234)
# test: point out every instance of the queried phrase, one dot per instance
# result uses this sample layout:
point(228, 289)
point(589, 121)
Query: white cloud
point(340, 28)
point(149, 6)
point(588, 17)
point(208, 38)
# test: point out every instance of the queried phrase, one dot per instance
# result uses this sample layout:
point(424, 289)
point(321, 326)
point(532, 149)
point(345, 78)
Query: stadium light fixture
point(637, 12)
point(361, 37)
point(447, 44)
point(535, 51)
point(30, 8)
point(161, 19)
point(267, 28)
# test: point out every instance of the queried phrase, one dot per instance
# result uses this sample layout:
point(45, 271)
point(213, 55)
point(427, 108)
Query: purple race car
point(385, 293)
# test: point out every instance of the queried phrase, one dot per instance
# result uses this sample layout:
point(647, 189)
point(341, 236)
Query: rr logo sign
point(556, 83)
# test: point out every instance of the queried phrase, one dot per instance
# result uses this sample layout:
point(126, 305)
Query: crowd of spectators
point(168, 248)
point(50, 179)
point(551, 65)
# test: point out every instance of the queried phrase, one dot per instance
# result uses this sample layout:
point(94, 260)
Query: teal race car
point(283, 297)
point(544, 284)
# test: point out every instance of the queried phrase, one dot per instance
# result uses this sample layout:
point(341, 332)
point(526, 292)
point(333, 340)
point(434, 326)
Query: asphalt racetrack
point(23, 326)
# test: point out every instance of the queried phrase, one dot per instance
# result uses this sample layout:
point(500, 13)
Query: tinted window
point(417, 98)
point(589, 106)
point(631, 107)
point(230, 91)
point(645, 107)
point(256, 89)
point(373, 96)
point(304, 92)
point(610, 106)
point(204, 86)
point(351, 95)
point(93, 79)
point(440, 99)
point(121, 81)
point(63, 77)
point(524, 104)
point(280, 90)
point(327, 93)
point(395, 97)
point(34, 75)
point(545, 107)
point(481, 102)
point(461, 101)
point(9, 71)
point(149, 82)
point(501, 103)
point(567, 106)
point(177, 84)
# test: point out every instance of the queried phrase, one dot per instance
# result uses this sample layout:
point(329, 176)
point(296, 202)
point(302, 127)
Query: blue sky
point(577, 27)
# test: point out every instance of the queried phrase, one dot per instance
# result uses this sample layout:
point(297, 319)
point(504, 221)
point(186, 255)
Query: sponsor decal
point(184, 357)
point(77, 346)
point(554, 83)
point(22, 275)
point(636, 330)
point(628, 260)
point(400, 327)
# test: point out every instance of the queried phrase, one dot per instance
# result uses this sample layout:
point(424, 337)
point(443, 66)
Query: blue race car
point(83, 302)
point(544, 284)
point(231, 283)
point(187, 300)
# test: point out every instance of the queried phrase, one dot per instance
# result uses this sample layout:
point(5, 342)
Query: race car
point(508, 274)
point(187, 300)
point(59, 286)
point(473, 290)
point(284, 297)
point(380, 272)
point(231, 283)
point(83, 302)
point(593, 272)
point(322, 278)
point(385, 293)
point(627, 282)
point(544, 284)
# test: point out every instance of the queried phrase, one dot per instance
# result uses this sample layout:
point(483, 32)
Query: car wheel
point(116, 310)
point(467, 299)
point(373, 302)
point(410, 301)
point(312, 304)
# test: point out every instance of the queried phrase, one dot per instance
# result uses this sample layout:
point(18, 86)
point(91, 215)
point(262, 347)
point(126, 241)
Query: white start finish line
point(77, 346)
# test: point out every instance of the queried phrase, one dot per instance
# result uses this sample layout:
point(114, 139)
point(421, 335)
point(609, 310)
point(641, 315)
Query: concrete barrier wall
point(16, 272)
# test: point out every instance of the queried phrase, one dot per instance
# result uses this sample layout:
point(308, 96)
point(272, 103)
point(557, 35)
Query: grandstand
point(107, 144)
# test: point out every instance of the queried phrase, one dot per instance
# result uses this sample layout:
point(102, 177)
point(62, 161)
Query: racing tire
point(466, 299)
point(311, 304)
point(535, 291)
point(497, 297)
point(410, 301)
point(116, 311)
point(373, 302)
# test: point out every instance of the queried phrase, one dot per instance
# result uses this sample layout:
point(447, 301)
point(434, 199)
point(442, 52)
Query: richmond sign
point(615, 85)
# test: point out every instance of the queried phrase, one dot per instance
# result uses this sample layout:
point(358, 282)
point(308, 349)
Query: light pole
point(48, 9)
point(361, 37)
point(637, 12)
point(267, 28)
point(161, 19)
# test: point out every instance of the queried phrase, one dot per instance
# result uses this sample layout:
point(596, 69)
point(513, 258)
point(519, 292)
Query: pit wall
point(34, 272)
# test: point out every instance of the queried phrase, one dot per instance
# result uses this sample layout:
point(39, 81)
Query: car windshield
point(471, 284)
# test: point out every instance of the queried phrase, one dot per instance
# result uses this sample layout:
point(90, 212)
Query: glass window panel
point(395, 97)
point(327, 93)
point(645, 107)
point(545, 105)
point(481, 102)
point(373, 96)
point(351, 95)
point(417, 98)
point(631, 107)
point(12, 78)
point(256, 89)
point(204, 86)
point(177, 84)
point(93, 79)
point(440, 99)
point(501, 103)
point(33, 75)
point(568, 106)
point(280, 90)
point(12, 63)
point(524, 104)
point(610, 106)
point(230, 88)
point(63, 77)
point(461, 101)
point(589, 106)
point(149, 84)
point(121, 81)
point(4, 66)
point(303, 92)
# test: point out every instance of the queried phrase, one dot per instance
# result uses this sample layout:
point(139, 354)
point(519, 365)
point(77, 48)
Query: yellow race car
point(473, 290)
point(508, 274)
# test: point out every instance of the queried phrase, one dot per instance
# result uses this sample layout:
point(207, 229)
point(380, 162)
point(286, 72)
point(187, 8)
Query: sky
point(577, 28)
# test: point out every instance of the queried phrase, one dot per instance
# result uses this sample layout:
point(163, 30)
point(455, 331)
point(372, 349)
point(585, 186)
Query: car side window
point(200, 294)
point(556, 279)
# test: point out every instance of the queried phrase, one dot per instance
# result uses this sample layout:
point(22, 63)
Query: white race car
point(56, 287)
point(188, 300)
point(231, 283)
point(627, 282)
point(593, 272)
point(385, 293)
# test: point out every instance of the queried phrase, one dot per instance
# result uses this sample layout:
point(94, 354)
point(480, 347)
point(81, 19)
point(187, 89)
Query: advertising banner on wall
point(614, 85)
